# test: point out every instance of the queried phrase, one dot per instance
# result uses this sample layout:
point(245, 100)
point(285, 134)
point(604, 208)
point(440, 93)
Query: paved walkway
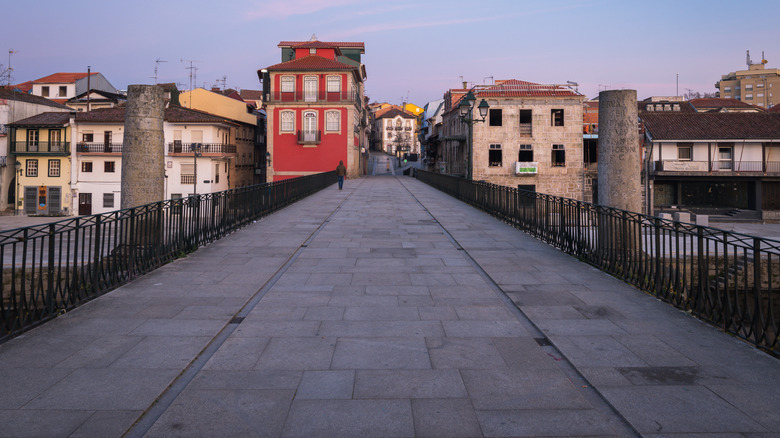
point(385, 309)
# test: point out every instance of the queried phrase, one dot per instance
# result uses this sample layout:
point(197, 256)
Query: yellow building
point(250, 151)
point(754, 85)
point(41, 147)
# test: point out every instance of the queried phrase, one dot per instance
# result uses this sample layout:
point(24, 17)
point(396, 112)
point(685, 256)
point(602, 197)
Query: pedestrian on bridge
point(341, 172)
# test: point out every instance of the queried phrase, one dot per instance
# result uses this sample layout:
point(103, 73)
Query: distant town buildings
point(395, 131)
point(755, 86)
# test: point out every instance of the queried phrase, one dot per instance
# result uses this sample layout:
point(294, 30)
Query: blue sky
point(414, 48)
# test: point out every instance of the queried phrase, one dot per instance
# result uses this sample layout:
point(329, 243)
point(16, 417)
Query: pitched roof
point(105, 94)
point(711, 126)
point(684, 106)
point(62, 78)
point(719, 102)
point(177, 114)
point(103, 115)
point(312, 62)
point(44, 119)
point(24, 86)
point(10, 94)
point(516, 88)
point(252, 94)
point(392, 113)
point(775, 109)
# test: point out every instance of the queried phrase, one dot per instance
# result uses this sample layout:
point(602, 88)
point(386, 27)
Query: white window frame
point(287, 125)
point(332, 125)
point(333, 84)
point(309, 94)
point(287, 84)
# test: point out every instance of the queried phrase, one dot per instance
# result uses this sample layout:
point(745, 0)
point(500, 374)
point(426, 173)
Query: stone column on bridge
point(143, 170)
point(619, 172)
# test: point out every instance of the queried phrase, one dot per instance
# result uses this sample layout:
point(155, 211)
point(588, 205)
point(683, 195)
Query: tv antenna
point(10, 69)
point(157, 64)
point(223, 81)
point(193, 71)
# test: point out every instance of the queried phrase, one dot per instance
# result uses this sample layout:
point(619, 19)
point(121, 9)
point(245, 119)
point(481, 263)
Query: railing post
point(96, 254)
point(50, 273)
point(757, 312)
point(701, 290)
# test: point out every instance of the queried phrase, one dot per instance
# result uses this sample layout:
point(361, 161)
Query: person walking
point(341, 172)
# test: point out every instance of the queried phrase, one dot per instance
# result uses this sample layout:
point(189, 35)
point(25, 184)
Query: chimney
point(465, 85)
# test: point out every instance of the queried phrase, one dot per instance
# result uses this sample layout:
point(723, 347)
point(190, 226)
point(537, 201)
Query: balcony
point(188, 179)
point(201, 148)
point(706, 167)
point(342, 97)
point(309, 137)
point(41, 147)
point(526, 130)
point(99, 148)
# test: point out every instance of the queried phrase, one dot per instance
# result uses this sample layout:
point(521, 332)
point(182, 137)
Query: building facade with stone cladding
point(536, 125)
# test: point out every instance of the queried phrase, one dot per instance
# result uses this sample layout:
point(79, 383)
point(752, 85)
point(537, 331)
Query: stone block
point(703, 220)
point(682, 217)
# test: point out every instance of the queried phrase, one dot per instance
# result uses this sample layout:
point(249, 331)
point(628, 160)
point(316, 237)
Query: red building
point(315, 106)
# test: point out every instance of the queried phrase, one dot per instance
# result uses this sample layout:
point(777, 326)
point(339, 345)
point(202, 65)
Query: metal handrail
point(728, 279)
point(50, 269)
point(202, 148)
point(113, 148)
point(58, 147)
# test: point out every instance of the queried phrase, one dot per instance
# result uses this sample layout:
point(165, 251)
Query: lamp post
point(18, 167)
point(465, 113)
point(195, 154)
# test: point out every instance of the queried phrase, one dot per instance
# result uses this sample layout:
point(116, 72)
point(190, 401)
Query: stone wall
point(567, 181)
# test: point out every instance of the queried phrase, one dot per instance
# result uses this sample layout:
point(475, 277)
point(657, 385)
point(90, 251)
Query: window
point(309, 126)
point(525, 122)
point(557, 117)
point(759, 85)
point(749, 87)
point(310, 89)
point(108, 200)
point(288, 121)
point(312, 51)
point(684, 151)
point(332, 121)
point(725, 155)
point(63, 91)
point(334, 84)
point(558, 156)
point(55, 137)
point(87, 137)
point(54, 168)
point(86, 166)
point(526, 153)
point(494, 155)
point(727, 89)
point(32, 168)
point(216, 173)
point(109, 167)
point(45, 91)
point(32, 139)
point(288, 84)
point(748, 97)
point(495, 117)
point(187, 173)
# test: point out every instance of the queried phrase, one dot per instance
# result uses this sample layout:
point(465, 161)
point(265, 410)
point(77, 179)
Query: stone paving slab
point(364, 312)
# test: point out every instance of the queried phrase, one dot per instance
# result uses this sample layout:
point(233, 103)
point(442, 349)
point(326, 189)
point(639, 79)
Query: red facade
point(313, 102)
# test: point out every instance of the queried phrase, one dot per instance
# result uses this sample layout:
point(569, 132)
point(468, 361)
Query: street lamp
point(196, 152)
point(18, 167)
point(465, 111)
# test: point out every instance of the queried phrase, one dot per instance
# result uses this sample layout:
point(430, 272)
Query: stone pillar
point(143, 165)
point(619, 176)
point(619, 168)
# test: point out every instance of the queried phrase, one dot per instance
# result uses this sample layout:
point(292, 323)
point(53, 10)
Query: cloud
point(280, 9)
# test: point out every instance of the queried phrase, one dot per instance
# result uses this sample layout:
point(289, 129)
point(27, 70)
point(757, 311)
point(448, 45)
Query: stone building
point(531, 137)
point(395, 131)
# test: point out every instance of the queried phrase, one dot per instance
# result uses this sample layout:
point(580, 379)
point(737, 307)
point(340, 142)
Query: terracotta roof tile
point(394, 112)
point(718, 103)
point(105, 115)
point(711, 126)
point(312, 62)
point(341, 44)
point(62, 78)
point(775, 109)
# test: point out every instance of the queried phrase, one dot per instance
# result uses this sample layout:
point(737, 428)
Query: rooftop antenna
point(573, 84)
point(763, 59)
point(224, 82)
point(193, 74)
point(10, 69)
point(492, 80)
point(748, 59)
point(156, 64)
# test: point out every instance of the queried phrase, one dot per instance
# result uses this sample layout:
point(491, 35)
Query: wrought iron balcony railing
point(309, 137)
point(201, 148)
point(40, 147)
point(105, 148)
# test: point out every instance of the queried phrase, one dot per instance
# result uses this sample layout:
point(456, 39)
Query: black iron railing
point(106, 148)
point(201, 148)
point(50, 269)
point(730, 280)
point(40, 147)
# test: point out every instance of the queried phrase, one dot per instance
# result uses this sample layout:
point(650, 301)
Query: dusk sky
point(414, 48)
